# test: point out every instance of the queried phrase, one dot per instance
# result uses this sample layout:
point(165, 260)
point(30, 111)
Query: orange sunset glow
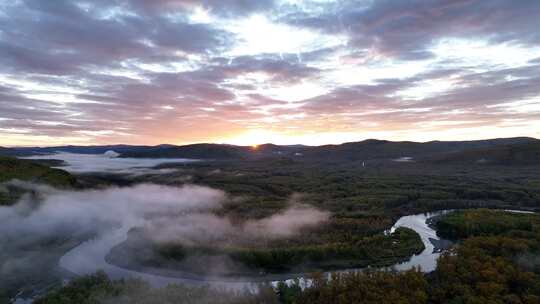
point(286, 72)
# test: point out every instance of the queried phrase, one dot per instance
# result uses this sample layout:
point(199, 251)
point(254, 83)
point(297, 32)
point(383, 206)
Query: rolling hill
point(371, 149)
point(12, 168)
point(515, 154)
point(381, 149)
point(203, 151)
point(7, 152)
point(27, 151)
point(355, 151)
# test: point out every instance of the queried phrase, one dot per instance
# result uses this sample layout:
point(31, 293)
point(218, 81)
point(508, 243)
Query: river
point(90, 257)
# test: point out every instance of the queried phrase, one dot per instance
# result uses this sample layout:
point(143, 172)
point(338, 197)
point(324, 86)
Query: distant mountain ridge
point(26, 151)
point(516, 154)
point(371, 149)
point(383, 149)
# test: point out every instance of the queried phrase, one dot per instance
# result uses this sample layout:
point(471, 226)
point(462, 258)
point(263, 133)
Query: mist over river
point(110, 163)
point(91, 256)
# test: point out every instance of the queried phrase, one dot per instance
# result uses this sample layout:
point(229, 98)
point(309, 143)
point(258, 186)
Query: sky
point(256, 71)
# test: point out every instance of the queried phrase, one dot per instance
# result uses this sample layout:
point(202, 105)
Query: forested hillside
point(25, 170)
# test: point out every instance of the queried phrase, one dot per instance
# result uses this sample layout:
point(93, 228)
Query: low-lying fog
point(182, 214)
point(108, 162)
point(170, 214)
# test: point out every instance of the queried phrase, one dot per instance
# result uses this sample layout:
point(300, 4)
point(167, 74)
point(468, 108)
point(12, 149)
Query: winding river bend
point(90, 256)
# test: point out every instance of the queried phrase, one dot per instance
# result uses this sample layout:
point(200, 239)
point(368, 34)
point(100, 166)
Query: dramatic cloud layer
point(287, 71)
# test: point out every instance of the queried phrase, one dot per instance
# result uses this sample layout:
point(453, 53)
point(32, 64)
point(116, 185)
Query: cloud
point(65, 213)
point(227, 8)
point(85, 163)
point(209, 230)
point(278, 70)
point(151, 72)
point(205, 229)
point(47, 222)
point(406, 29)
point(184, 215)
point(67, 37)
point(287, 223)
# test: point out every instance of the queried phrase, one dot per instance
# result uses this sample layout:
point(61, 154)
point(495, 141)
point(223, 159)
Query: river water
point(427, 259)
point(90, 257)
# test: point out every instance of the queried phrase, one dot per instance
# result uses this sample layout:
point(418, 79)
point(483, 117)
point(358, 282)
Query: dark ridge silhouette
point(497, 151)
point(516, 154)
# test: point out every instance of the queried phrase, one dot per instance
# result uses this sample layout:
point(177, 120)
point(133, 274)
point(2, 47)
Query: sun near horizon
point(280, 71)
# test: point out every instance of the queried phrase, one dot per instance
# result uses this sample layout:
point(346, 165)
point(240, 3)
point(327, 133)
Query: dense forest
point(383, 189)
point(333, 248)
point(364, 200)
point(98, 288)
point(490, 266)
point(484, 222)
point(17, 169)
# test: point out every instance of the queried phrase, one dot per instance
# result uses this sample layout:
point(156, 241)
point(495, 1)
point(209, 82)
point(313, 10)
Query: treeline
point(25, 170)
point(376, 250)
point(481, 270)
point(99, 289)
point(12, 168)
point(500, 266)
point(328, 248)
point(377, 287)
point(482, 222)
point(383, 190)
point(486, 270)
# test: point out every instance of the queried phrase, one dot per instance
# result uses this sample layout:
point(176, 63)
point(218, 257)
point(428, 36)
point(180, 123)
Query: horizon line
point(268, 143)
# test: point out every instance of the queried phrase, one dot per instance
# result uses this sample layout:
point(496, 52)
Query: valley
point(354, 202)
